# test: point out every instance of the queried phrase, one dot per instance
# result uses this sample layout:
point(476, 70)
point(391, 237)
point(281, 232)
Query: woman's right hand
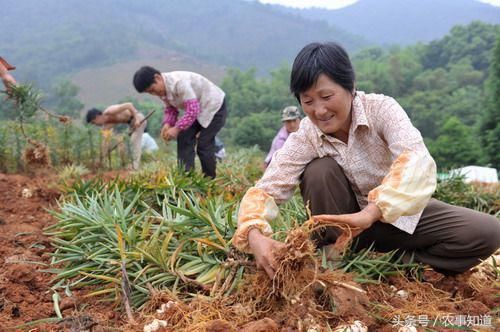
point(263, 248)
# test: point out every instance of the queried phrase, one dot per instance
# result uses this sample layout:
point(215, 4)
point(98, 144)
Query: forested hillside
point(449, 87)
point(403, 22)
point(47, 39)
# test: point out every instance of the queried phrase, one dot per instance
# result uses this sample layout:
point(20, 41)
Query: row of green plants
point(480, 197)
point(67, 143)
point(123, 240)
point(39, 138)
point(162, 228)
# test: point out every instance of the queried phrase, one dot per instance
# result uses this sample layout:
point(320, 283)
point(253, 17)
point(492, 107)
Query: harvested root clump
point(484, 272)
point(37, 155)
point(64, 119)
point(302, 295)
point(262, 325)
point(309, 294)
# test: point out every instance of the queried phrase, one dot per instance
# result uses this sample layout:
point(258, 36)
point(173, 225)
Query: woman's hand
point(263, 248)
point(164, 131)
point(171, 133)
point(358, 221)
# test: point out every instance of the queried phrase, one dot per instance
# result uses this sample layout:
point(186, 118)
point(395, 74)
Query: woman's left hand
point(172, 133)
point(360, 221)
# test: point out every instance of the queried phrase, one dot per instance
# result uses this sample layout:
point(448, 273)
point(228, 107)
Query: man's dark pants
point(204, 142)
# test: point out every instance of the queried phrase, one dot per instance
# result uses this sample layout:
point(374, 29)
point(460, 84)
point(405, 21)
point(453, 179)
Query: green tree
point(404, 65)
point(432, 79)
point(463, 103)
point(242, 91)
point(423, 108)
point(247, 94)
point(255, 104)
point(473, 40)
point(277, 93)
point(256, 129)
point(64, 99)
point(490, 121)
point(374, 53)
point(455, 146)
point(463, 73)
point(374, 76)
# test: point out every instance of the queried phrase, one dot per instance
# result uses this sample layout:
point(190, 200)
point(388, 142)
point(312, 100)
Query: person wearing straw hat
point(290, 117)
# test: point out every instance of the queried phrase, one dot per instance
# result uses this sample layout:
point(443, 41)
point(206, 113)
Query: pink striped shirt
point(192, 109)
point(199, 97)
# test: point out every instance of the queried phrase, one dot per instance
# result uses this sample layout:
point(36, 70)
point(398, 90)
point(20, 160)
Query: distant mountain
point(105, 85)
point(46, 39)
point(403, 22)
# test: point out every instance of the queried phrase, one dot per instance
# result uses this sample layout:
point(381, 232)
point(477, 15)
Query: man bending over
point(122, 113)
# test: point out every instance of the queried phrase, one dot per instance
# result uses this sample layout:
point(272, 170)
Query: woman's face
point(328, 106)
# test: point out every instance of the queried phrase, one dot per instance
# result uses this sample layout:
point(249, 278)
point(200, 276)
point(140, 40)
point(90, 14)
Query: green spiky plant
point(180, 242)
point(71, 172)
point(455, 191)
point(183, 246)
point(165, 229)
point(26, 97)
point(27, 101)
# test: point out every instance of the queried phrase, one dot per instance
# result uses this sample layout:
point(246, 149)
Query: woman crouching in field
point(360, 162)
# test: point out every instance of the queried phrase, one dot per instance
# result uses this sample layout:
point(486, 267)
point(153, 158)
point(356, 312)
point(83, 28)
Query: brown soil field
point(25, 293)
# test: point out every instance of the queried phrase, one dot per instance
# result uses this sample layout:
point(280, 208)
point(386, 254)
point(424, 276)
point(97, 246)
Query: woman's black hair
point(144, 77)
point(321, 58)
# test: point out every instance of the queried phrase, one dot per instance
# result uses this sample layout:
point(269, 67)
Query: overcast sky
point(334, 4)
